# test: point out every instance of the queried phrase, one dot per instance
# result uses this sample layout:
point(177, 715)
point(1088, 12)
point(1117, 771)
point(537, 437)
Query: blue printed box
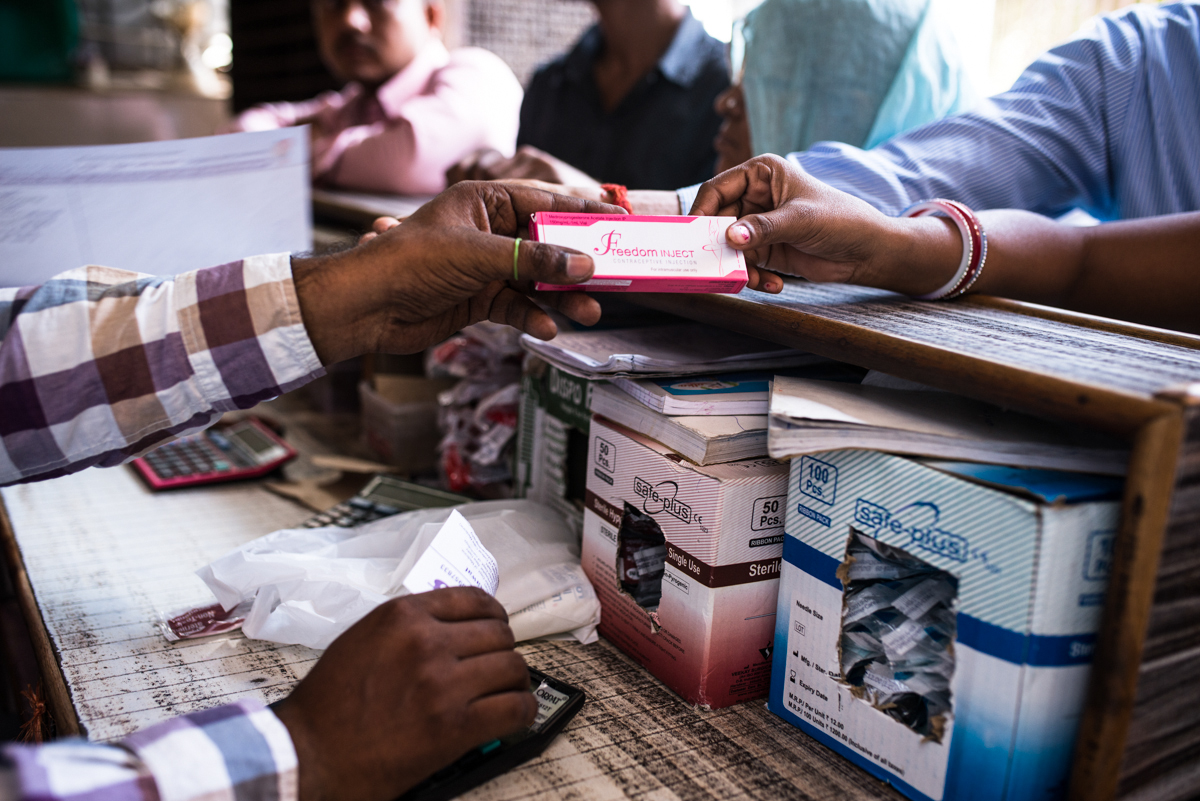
point(1026, 553)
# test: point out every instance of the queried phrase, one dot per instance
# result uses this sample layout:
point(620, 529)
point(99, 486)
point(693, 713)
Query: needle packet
point(646, 254)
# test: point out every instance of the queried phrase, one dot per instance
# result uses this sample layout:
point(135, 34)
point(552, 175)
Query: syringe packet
point(646, 254)
point(685, 561)
point(980, 653)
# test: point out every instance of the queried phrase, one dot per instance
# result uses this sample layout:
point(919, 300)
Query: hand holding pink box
point(646, 254)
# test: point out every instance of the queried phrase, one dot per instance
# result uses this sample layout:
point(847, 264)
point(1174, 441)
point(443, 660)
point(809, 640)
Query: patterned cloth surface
point(240, 751)
point(99, 365)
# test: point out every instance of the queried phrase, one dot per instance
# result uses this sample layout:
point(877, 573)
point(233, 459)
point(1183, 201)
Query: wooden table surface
point(103, 555)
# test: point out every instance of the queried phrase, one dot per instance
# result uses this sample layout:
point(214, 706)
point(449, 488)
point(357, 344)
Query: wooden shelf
point(1141, 730)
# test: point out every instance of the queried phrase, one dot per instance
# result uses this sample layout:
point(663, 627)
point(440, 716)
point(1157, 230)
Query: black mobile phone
point(557, 704)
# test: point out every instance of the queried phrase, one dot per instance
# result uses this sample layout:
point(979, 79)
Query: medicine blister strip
point(897, 634)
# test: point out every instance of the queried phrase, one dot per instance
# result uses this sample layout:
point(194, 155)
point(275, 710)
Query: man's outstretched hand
point(404, 692)
point(448, 266)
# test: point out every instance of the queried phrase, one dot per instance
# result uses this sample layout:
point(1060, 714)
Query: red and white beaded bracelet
point(974, 245)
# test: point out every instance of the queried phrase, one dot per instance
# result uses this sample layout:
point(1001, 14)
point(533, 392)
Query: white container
point(1030, 551)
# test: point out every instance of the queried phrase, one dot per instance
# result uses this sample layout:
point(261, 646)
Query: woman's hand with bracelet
point(791, 223)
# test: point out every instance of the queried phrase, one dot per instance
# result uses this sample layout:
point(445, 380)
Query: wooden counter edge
point(1116, 411)
point(1112, 687)
point(55, 687)
point(1095, 322)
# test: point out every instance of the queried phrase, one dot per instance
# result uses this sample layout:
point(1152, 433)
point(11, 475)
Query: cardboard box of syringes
point(936, 621)
point(685, 561)
point(646, 254)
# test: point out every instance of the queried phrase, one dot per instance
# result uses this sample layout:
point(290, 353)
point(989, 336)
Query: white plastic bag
point(310, 585)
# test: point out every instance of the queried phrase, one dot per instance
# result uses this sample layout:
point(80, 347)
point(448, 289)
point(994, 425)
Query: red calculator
point(247, 449)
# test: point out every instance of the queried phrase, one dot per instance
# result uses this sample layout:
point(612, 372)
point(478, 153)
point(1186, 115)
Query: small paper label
point(902, 639)
point(548, 702)
point(868, 602)
point(923, 597)
point(885, 684)
point(867, 568)
point(455, 558)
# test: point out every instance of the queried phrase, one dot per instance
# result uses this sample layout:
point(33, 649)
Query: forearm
point(237, 751)
point(1138, 270)
point(99, 365)
point(1029, 257)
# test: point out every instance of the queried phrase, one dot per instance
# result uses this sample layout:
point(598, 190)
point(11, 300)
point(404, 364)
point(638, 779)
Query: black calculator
point(247, 449)
point(557, 705)
point(382, 497)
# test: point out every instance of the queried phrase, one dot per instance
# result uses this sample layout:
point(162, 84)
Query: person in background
point(411, 108)
point(855, 71)
point(631, 104)
point(1142, 270)
point(1105, 123)
point(99, 365)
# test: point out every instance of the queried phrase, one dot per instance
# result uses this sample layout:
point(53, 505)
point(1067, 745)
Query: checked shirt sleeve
point(98, 365)
point(239, 752)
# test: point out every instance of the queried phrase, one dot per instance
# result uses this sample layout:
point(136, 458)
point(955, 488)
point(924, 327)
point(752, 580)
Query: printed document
point(161, 208)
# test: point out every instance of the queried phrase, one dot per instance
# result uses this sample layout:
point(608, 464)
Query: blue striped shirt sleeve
point(1100, 123)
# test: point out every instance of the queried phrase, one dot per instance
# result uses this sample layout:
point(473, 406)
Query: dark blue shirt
point(661, 134)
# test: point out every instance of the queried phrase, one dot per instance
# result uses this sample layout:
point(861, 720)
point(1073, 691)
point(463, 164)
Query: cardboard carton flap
point(1047, 486)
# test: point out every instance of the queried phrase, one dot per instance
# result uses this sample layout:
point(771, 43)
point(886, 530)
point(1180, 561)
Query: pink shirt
point(403, 137)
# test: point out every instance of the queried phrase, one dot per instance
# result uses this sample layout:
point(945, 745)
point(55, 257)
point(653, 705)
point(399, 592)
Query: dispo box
point(552, 439)
point(1025, 555)
point(700, 548)
point(646, 254)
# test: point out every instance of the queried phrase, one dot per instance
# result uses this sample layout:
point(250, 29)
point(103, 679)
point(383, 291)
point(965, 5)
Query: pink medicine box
point(646, 254)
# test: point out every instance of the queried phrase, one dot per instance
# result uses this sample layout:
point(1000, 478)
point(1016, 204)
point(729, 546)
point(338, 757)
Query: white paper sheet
point(455, 558)
point(155, 207)
point(684, 349)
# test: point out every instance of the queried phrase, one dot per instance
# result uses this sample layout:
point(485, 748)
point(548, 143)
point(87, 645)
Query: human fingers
point(488, 257)
point(379, 226)
point(503, 713)
point(761, 183)
point(491, 672)
point(579, 306)
point(763, 280)
point(514, 309)
point(382, 224)
point(470, 638)
point(459, 603)
point(473, 166)
point(525, 200)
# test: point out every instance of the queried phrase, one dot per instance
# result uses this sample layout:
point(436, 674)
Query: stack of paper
point(705, 439)
point(659, 351)
point(709, 419)
point(154, 207)
point(723, 393)
point(808, 416)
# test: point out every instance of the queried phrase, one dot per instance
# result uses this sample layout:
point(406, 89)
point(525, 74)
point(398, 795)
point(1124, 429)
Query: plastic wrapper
point(478, 416)
point(201, 621)
point(307, 586)
point(641, 557)
point(898, 628)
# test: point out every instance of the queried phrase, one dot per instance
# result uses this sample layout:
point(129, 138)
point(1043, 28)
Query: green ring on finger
point(516, 254)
